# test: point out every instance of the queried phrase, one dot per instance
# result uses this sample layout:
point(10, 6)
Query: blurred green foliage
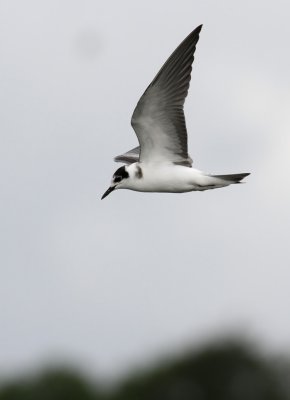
point(219, 371)
point(50, 385)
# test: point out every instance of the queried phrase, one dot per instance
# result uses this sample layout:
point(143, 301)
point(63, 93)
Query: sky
point(108, 284)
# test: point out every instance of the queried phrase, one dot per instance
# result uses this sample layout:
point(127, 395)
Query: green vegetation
point(219, 371)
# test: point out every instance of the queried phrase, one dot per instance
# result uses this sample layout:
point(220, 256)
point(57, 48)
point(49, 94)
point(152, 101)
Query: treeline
point(218, 371)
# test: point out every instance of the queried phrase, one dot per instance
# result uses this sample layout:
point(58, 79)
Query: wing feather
point(158, 118)
point(130, 157)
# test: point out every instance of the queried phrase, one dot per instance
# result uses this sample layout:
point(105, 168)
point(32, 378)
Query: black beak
point(107, 192)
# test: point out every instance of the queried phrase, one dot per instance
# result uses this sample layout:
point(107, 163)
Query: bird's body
point(169, 178)
point(161, 162)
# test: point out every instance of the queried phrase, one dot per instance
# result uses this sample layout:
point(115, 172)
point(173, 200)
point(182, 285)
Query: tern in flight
point(161, 162)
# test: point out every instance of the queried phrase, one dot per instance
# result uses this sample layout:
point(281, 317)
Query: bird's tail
point(232, 178)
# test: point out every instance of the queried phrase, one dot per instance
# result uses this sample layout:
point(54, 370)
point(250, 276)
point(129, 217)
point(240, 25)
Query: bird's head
point(118, 180)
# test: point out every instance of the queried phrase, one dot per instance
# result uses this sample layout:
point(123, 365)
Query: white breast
point(164, 178)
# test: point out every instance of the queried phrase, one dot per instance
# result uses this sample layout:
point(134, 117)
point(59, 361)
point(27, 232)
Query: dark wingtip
point(198, 29)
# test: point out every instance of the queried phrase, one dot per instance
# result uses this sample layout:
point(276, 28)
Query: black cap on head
point(121, 172)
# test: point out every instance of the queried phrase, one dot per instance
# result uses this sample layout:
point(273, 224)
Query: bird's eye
point(117, 179)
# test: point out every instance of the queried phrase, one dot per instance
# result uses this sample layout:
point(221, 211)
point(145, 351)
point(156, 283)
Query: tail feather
point(233, 178)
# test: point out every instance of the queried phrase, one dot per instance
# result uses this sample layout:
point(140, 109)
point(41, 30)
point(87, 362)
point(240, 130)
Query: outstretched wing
point(130, 157)
point(158, 118)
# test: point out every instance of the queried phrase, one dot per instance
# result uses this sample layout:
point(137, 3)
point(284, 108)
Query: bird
point(161, 162)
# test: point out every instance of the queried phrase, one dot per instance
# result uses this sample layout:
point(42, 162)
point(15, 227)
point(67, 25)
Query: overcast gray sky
point(109, 284)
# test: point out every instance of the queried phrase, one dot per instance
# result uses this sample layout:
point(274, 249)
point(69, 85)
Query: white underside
point(169, 178)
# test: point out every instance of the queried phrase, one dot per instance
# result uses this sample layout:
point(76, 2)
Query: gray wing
point(158, 118)
point(130, 157)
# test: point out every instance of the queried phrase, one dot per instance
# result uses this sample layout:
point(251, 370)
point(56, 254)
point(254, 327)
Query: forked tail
point(232, 178)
